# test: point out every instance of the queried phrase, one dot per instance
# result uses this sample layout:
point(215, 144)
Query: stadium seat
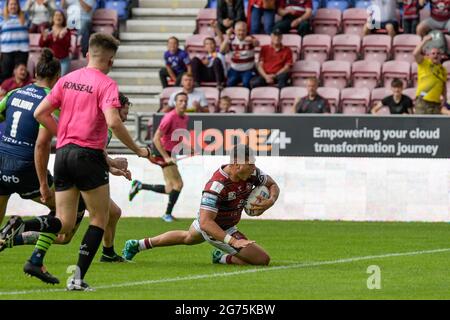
point(333, 97)
point(35, 49)
point(379, 94)
point(366, 74)
point(446, 65)
point(355, 100)
point(410, 92)
point(294, 42)
point(212, 95)
point(304, 69)
point(263, 40)
point(264, 100)
point(363, 4)
point(239, 98)
point(316, 47)
point(341, 5)
point(288, 96)
point(403, 45)
point(376, 47)
point(396, 69)
point(353, 20)
point(165, 96)
point(414, 74)
point(327, 21)
point(336, 74)
point(121, 6)
point(194, 45)
point(204, 18)
point(105, 20)
point(78, 64)
point(346, 47)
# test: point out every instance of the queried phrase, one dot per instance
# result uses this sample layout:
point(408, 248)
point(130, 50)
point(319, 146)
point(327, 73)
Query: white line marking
point(228, 274)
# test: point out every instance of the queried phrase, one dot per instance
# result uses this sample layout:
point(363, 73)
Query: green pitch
point(310, 260)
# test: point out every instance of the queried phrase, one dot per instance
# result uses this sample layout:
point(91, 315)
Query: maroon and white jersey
point(242, 54)
point(297, 6)
point(440, 10)
point(227, 198)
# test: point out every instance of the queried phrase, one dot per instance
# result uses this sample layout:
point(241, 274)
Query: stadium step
point(161, 26)
point(164, 13)
point(141, 52)
point(172, 4)
point(144, 104)
point(135, 78)
point(140, 90)
point(155, 64)
point(160, 38)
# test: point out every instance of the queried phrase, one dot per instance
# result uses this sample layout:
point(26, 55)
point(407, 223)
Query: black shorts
point(19, 176)
point(383, 26)
point(79, 167)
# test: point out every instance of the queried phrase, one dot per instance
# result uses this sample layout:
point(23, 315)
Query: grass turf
point(295, 272)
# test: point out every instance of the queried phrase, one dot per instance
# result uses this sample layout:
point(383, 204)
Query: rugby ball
point(262, 191)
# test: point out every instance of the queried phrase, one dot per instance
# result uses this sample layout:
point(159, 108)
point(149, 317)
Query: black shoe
point(78, 285)
point(14, 226)
point(114, 258)
point(39, 272)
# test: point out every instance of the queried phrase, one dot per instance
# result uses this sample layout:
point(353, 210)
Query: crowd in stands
point(27, 26)
point(340, 55)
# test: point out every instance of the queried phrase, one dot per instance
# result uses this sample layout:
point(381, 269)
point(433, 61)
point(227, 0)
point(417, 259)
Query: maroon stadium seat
point(379, 94)
point(355, 100)
point(212, 95)
point(366, 74)
point(239, 98)
point(403, 45)
point(294, 42)
point(264, 40)
point(333, 97)
point(204, 18)
point(264, 100)
point(376, 47)
point(336, 74)
point(414, 73)
point(396, 69)
point(411, 92)
point(327, 21)
point(304, 69)
point(446, 65)
point(194, 45)
point(288, 96)
point(165, 96)
point(346, 47)
point(353, 20)
point(316, 47)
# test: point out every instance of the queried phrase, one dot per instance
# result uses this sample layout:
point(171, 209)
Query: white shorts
point(216, 243)
point(435, 24)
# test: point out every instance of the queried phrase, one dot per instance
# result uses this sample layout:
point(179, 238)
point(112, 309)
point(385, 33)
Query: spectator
point(58, 40)
point(411, 16)
point(20, 78)
point(258, 9)
point(228, 13)
point(313, 102)
point(432, 78)
point(209, 68)
point(177, 63)
point(196, 98)
point(398, 103)
point(79, 17)
point(225, 105)
point(39, 12)
point(295, 15)
point(14, 39)
point(274, 64)
point(382, 18)
point(242, 49)
point(439, 17)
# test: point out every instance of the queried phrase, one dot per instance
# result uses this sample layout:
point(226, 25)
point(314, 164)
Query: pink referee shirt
point(169, 123)
point(83, 96)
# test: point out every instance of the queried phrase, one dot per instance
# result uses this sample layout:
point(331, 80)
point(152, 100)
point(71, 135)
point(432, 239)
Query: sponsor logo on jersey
point(209, 200)
point(9, 178)
point(231, 195)
point(217, 187)
point(78, 87)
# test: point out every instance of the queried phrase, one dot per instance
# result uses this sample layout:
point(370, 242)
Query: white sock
point(144, 244)
point(223, 259)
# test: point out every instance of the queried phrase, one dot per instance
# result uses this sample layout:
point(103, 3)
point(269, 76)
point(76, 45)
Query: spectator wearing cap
point(439, 17)
point(312, 102)
point(275, 62)
point(431, 80)
point(295, 15)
